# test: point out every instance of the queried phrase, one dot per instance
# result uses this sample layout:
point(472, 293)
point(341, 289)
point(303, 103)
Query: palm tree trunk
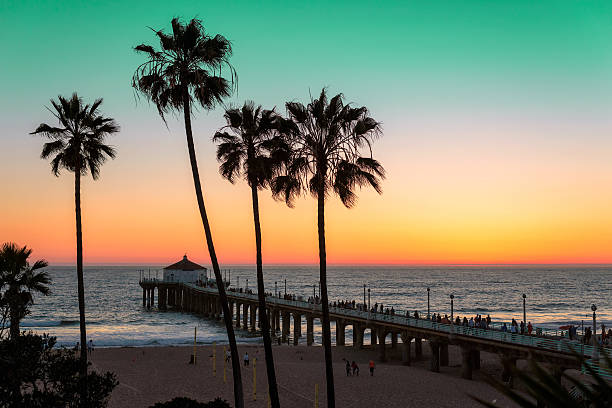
point(329, 369)
point(13, 315)
point(227, 317)
point(81, 286)
point(263, 314)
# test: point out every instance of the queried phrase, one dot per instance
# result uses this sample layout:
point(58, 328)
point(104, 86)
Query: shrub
point(35, 374)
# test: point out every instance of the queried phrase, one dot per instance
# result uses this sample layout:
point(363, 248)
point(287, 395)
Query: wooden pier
point(188, 297)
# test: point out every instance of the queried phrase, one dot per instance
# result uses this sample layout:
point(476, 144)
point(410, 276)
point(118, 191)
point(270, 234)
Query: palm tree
point(327, 138)
point(254, 151)
point(78, 146)
point(20, 280)
point(186, 71)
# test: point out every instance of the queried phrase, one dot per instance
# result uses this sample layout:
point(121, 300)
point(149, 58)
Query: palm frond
point(79, 145)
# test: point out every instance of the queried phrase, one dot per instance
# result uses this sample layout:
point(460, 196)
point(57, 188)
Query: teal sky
point(473, 95)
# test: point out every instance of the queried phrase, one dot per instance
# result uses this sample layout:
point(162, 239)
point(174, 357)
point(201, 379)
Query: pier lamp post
point(314, 292)
point(524, 310)
point(595, 345)
point(275, 289)
point(452, 297)
point(247, 285)
point(369, 306)
point(285, 286)
point(427, 303)
point(364, 296)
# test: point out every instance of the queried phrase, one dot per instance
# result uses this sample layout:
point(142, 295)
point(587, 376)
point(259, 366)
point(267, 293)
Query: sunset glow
point(495, 152)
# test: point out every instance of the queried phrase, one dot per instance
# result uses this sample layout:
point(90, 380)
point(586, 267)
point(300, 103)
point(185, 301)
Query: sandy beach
point(153, 374)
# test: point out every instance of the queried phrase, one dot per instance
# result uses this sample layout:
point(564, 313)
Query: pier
point(510, 347)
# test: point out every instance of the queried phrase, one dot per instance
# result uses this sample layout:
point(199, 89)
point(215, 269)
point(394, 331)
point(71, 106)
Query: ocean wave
point(52, 323)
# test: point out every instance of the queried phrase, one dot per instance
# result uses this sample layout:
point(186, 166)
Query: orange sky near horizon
point(473, 211)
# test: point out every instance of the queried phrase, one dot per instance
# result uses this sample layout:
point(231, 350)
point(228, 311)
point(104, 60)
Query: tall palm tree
point(184, 72)
point(78, 146)
point(327, 139)
point(254, 151)
point(21, 280)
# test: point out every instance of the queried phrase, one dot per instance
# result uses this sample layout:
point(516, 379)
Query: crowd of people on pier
point(475, 322)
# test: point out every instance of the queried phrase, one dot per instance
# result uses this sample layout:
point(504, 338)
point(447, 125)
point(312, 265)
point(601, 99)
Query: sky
point(497, 130)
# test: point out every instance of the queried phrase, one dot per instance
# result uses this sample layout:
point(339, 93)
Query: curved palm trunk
point(227, 317)
point(329, 369)
point(81, 286)
point(263, 314)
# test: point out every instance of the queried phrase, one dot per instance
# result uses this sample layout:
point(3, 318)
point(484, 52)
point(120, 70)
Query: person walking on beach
point(348, 368)
point(228, 356)
point(246, 359)
point(355, 368)
point(90, 346)
point(372, 368)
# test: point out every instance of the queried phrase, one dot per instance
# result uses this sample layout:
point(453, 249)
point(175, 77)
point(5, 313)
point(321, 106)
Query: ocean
point(556, 296)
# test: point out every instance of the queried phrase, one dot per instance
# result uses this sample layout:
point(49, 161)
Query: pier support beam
point(253, 318)
point(286, 327)
point(476, 359)
point(393, 340)
point(297, 327)
point(382, 347)
point(238, 314)
point(418, 348)
point(444, 354)
point(466, 363)
point(245, 317)
point(340, 326)
point(373, 337)
point(309, 330)
point(434, 362)
point(509, 364)
point(406, 342)
point(277, 320)
point(271, 321)
point(357, 335)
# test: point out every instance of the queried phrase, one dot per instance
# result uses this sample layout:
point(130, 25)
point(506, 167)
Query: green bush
point(35, 374)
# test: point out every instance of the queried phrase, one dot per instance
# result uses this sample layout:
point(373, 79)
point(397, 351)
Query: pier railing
point(542, 342)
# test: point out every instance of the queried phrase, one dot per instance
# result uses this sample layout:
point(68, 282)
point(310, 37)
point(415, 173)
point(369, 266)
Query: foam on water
point(556, 296)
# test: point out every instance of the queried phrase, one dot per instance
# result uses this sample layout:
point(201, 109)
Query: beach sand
point(155, 374)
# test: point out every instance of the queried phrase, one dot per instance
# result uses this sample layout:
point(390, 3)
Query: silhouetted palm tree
point(185, 71)
point(327, 139)
point(78, 145)
point(20, 280)
point(253, 151)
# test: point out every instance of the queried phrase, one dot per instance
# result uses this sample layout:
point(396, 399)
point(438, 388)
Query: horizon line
point(358, 264)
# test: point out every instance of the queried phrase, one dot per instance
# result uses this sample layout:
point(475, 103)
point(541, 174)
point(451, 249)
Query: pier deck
point(559, 352)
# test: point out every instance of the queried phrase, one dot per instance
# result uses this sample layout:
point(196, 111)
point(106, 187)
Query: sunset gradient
point(497, 120)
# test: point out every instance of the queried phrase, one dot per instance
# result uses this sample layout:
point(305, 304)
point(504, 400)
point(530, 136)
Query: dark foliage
point(18, 282)
point(328, 138)
point(79, 141)
point(189, 62)
point(35, 374)
point(543, 387)
point(182, 402)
